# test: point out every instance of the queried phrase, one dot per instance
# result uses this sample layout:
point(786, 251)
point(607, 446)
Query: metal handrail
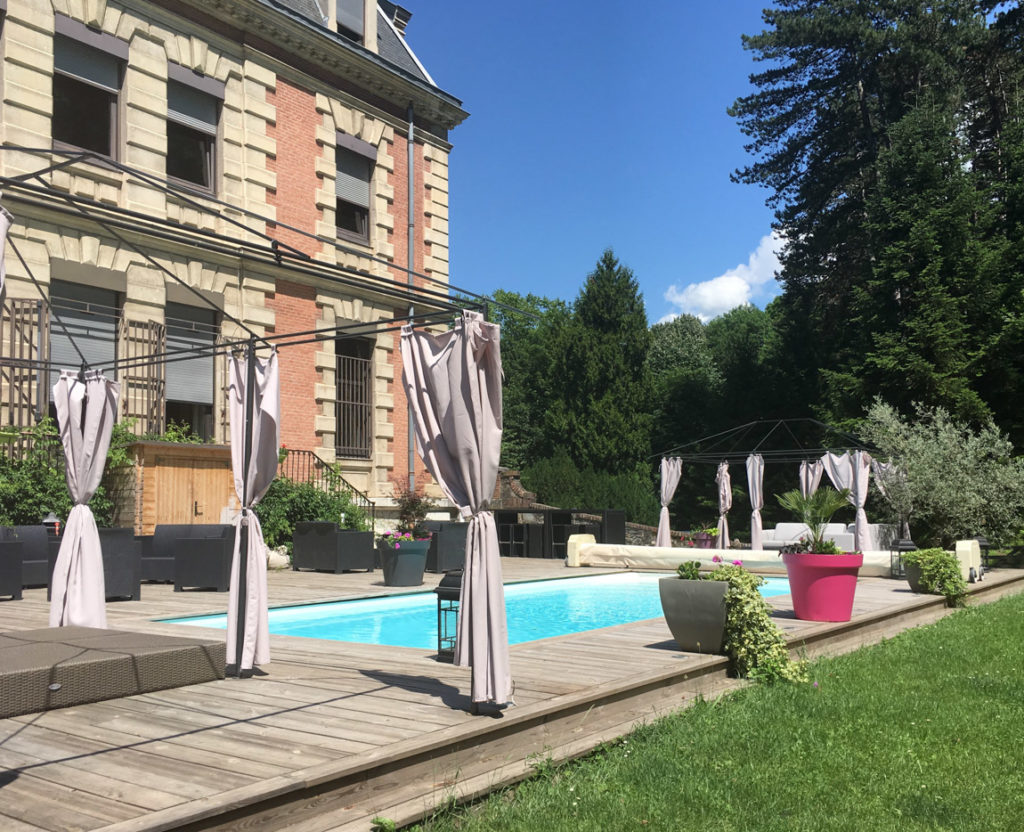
point(306, 466)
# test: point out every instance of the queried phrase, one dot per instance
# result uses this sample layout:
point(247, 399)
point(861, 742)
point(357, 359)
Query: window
point(353, 409)
point(193, 111)
point(350, 19)
point(85, 317)
point(190, 382)
point(88, 68)
point(355, 161)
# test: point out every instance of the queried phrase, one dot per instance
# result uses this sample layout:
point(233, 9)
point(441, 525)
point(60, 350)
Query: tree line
point(890, 140)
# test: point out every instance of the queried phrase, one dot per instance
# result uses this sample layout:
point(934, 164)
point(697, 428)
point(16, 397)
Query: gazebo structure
point(769, 444)
point(253, 382)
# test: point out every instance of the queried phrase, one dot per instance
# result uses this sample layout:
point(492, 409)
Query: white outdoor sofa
point(785, 534)
point(584, 551)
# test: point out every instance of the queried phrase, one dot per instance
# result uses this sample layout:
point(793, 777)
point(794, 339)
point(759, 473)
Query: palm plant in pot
point(822, 578)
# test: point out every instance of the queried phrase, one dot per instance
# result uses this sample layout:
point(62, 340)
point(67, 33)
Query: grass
point(921, 732)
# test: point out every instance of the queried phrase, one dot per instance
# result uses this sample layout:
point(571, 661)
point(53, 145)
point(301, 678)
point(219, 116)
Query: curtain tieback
point(467, 512)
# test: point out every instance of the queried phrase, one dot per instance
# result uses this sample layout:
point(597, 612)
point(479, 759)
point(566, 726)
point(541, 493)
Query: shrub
point(940, 574)
point(288, 502)
point(558, 482)
point(34, 483)
point(950, 481)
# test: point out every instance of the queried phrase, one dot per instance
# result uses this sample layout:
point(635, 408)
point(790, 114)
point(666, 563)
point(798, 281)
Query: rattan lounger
point(63, 666)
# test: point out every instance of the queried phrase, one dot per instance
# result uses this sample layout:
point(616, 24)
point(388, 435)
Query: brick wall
point(294, 304)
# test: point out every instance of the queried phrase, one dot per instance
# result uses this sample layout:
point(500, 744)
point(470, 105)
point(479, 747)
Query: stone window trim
point(193, 120)
point(92, 74)
point(101, 41)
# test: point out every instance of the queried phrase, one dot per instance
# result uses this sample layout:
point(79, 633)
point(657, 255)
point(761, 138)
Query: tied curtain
point(86, 411)
point(250, 486)
point(724, 503)
point(671, 472)
point(810, 477)
point(851, 472)
point(755, 482)
point(453, 384)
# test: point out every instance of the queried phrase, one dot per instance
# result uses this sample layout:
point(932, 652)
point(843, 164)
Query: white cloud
point(753, 280)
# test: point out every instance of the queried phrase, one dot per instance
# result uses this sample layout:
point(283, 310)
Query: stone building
point(263, 166)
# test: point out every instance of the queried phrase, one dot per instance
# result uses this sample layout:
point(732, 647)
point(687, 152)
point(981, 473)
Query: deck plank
point(167, 756)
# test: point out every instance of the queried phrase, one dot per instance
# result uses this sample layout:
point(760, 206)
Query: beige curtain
point(266, 438)
point(453, 384)
point(86, 411)
point(755, 480)
point(724, 503)
point(810, 476)
point(671, 471)
point(851, 471)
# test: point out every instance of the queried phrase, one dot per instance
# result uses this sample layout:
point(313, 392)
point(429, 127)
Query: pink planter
point(823, 586)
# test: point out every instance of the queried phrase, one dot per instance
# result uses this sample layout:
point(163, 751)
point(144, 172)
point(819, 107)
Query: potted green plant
point(705, 537)
point(936, 572)
point(722, 611)
point(822, 578)
point(403, 552)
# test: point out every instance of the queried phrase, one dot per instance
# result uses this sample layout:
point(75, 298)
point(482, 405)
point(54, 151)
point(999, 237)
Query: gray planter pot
point(695, 613)
point(913, 573)
point(403, 566)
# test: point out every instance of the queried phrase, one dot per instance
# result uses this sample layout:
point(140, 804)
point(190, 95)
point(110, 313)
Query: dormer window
point(350, 19)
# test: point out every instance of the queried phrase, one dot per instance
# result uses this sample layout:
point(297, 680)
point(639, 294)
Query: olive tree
point(953, 480)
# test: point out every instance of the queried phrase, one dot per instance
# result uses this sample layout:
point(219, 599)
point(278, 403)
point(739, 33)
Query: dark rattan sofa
point(198, 555)
point(447, 545)
point(326, 548)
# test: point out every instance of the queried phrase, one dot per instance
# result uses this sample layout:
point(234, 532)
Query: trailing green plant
point(815, 511)
point(288, 502)
point(940, 574)
point(754, 645)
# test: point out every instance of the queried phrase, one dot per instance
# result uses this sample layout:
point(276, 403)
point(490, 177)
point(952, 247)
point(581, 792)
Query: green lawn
point(924, 731)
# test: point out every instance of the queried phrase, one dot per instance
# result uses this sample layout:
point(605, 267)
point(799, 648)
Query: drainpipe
point(411, 263)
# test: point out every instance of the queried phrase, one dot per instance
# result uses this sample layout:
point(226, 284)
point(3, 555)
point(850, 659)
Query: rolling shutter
point(190, 328)
point(90, 316)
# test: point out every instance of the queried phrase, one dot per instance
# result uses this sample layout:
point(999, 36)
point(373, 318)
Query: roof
point(390, 45)
point(307, 8)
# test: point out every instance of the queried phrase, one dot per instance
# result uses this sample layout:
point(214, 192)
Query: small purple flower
point(716, 559)
point(737, 563)
point(815, 684)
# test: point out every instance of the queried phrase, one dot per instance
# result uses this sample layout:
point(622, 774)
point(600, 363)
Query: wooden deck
point(337, 733)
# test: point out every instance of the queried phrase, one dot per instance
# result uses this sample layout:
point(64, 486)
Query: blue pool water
point(535, 610)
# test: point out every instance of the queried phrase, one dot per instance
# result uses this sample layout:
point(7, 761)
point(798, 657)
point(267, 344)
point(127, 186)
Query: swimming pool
point(535, 610)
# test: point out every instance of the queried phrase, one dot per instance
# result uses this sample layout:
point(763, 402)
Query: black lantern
point(448, 614)
point(52, 524)
point(896, 556)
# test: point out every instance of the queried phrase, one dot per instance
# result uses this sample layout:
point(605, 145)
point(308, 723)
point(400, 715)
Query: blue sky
point(595, 125)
